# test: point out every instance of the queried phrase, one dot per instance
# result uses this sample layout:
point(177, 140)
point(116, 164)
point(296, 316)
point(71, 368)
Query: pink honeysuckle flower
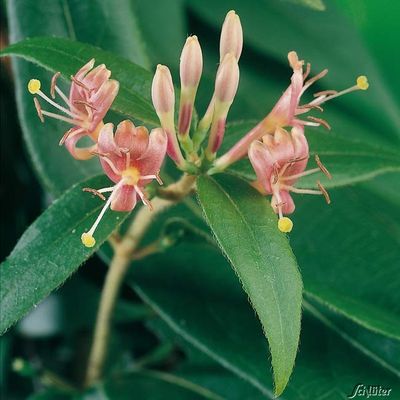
point(91, 94)
point(131, 159)
point(279, 161)
point(288, 110)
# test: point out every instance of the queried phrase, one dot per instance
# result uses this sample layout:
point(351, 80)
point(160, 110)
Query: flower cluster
point(131, 158)
point(277, 147)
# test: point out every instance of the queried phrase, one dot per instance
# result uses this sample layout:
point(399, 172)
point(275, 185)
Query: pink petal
point(288, 203)
point(102, 101)
point(282, 150)
point(150, 162)
point(285, 108)
point(301, 152)
point(134, 138)
point(106, 142)
point(79, 153)
point(95, 78)
point(124, 134)
point(124, 198)
point(263, 164)
point(85, 69)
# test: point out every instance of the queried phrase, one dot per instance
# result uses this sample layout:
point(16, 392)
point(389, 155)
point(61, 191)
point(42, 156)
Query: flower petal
point(79, 153)
point(150, 162)
point(286, 200)
point(102, 100)
point(124, 198)
point(301, 152)
point(263, 164)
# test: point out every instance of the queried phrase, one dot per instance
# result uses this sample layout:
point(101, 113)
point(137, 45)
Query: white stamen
point(66, 119)
point(308, 123)
point(61, 108)
point(107, 189)
point(313, 80)
point(111, 164)
point(104, 209)
point(143, 197)
point(279, 204)
point(300, 175)
point(156, 177)
point(65, 99)
point(324, 99)
point(301, 191)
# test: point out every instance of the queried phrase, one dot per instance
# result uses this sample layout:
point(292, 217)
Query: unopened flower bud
point(163, 95)
point(226, 85)
point(162, 91)
point(227, 80)
point(231, 36)
point(191, 65)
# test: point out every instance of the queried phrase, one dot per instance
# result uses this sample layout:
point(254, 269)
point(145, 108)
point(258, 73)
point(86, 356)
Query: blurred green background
point(350, 249)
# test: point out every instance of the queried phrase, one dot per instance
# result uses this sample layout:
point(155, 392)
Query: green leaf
point(98, 23)
point(349, 161)
point(151, 385)
point(198, 296)
point(313, 4)
point(349, 256)
point(67, 56)
point(50, 250)
point(263, 261)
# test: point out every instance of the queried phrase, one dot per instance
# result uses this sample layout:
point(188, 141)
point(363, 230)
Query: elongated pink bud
point(191, 67)
point(231, 36)
point(226, 85)
point(163, 96)
point(227, 80)
point(162, 91)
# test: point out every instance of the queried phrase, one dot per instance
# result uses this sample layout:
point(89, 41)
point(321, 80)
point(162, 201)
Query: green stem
point(123, 251)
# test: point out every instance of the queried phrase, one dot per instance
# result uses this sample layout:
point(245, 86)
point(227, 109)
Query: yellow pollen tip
point(131, 176)
point(34, 86)
point(88, 240)
point(285, 224)
point(362, 82)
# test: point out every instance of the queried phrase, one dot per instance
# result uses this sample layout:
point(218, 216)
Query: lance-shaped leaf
point(246, 229)
point(50, 250)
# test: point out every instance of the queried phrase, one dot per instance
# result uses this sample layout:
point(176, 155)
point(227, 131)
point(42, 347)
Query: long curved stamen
point(110, 163)
point(300, 175)
point(95, 192)
point(285, 224)
point(61, 108)
point(156, 177)
point(324, 192)
point(361, 84)
point(300, 191)
point(314, 79)
point(143, 197)
point(62, 118)
point(87, 237)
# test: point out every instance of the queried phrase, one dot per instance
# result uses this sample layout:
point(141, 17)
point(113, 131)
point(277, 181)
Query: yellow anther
point(285, 224)
point(362, 82)
point(18, 364)
point(88, 240)
point(34, 86)
point(131, 176)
